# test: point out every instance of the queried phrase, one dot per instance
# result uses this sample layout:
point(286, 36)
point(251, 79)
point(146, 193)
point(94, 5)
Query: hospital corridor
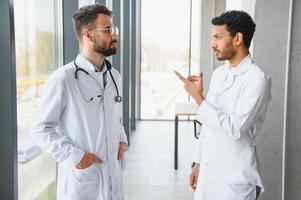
point(150, 100)
point(149, 172)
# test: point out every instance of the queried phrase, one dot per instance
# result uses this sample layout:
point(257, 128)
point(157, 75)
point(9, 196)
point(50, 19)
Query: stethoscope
point(117, 98)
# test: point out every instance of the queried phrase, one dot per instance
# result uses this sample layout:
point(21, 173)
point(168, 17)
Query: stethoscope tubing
point(117, 98)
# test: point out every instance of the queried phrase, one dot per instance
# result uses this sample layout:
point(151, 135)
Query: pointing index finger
point(180, 77)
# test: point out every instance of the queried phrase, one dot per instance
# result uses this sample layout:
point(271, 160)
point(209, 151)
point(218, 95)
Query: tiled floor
point(149, 172)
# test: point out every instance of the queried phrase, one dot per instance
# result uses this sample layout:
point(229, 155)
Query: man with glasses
point(232, 114)
point(79, 119)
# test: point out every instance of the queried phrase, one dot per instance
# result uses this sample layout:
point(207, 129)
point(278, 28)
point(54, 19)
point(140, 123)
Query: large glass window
point(169, 41)
point(36, 57)
point(164, 48)
point(195, 42)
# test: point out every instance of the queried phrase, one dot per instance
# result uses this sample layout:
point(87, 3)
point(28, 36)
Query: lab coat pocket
point(238, 187)
point(87, 174)
point(241, 192)
point(84, 183)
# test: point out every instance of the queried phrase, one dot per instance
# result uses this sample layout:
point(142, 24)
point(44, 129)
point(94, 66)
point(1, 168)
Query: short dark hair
point(86, 16)
point(237, 21)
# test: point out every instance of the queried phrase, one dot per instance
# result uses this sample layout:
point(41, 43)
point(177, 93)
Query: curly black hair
point(237, 21)
point(86, 16)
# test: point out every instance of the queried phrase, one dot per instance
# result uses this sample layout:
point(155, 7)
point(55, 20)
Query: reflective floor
point(149, 172)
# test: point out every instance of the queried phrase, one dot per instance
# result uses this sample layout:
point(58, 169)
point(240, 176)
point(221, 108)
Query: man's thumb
point(97, 160)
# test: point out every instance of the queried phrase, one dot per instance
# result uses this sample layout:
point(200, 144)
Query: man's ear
point(87, 34)
point(239, 38)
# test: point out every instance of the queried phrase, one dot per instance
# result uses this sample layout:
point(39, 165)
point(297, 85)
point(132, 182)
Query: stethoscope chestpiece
point(118, 99)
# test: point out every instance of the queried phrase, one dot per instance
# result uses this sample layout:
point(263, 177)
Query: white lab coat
point(232, 115)
point(68, 126)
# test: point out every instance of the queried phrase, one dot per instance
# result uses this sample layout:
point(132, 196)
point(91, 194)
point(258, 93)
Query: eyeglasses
point(112, 30)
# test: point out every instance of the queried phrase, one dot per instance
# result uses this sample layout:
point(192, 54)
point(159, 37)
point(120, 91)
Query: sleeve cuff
point(207, 116)
point(123, 137)
point(76, 156)
point(201, 110)
point(197, 155)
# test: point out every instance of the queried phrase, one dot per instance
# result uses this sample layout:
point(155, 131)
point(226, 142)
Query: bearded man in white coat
point(226, 164)
point(79, 119)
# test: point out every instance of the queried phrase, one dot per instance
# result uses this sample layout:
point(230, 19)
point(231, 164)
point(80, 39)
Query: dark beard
point(101, 48)
point(229, 53)
point(105, 51)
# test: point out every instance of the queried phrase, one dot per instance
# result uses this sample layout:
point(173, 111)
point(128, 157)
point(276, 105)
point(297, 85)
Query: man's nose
point(213, 45)
point(115, 37)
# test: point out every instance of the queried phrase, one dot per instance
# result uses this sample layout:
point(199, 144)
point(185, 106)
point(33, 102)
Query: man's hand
point(123, 147)
point(193, 86)
point(88, 160)
point(193, 179)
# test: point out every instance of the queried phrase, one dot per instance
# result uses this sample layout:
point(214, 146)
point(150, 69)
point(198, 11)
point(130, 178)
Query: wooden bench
point(183, 109)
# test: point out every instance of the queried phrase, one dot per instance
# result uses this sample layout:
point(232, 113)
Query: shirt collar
point(85, 64)
point(103, 69)
point(243, 66)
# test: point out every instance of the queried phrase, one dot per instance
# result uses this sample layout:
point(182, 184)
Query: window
point(36, 31)
point(164, 48)
point(167, 29)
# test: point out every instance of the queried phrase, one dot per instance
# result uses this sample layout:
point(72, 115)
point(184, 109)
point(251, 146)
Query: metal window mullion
point(138, 58)
point(116, 20)
point(125, 64)
point(133, 64)
point(70, 44)
point(8, 106)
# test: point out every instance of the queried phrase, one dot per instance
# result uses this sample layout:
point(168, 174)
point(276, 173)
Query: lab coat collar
point(243, 66)
point(85, 64)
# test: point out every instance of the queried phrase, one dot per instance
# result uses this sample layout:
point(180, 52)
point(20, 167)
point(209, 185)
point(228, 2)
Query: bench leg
point(194, 125)
point(176, 143)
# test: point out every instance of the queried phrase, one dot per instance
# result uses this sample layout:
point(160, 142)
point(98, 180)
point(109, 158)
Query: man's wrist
point(200, 99)
point(194, 164)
